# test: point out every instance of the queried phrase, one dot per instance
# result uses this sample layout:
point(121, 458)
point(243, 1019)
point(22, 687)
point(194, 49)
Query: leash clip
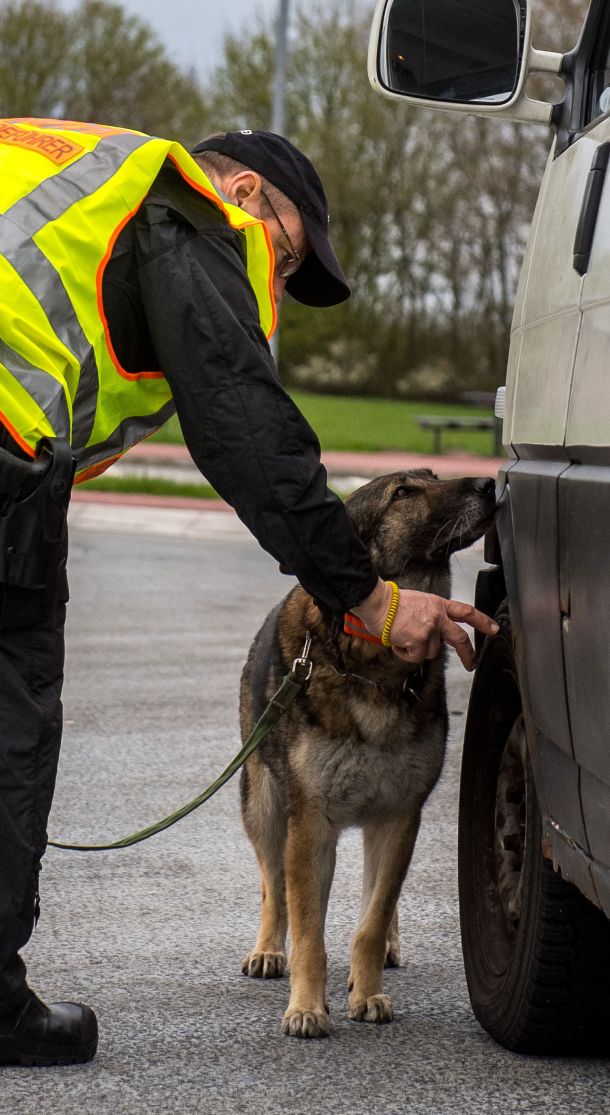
point(304, 661)
point(410, 695)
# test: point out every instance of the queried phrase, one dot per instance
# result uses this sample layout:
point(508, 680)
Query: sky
point(193, 30)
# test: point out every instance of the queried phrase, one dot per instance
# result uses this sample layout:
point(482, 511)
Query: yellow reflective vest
point(66, 191)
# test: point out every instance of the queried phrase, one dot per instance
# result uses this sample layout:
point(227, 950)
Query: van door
point(544, 341)
point(584, 489)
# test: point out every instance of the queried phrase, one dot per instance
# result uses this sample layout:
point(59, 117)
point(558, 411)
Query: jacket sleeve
point(242, 429)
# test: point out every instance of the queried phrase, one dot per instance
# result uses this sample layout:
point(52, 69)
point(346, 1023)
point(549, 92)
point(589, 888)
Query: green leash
point(290, 688)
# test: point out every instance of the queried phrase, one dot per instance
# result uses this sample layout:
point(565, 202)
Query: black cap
point(319, 280)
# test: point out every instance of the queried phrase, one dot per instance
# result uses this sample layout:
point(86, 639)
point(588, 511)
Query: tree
point(120, 73)
point(430, 212)
point(94, 63)
point(32, 58)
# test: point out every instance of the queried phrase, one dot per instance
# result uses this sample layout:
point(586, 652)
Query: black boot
point(37, 1034)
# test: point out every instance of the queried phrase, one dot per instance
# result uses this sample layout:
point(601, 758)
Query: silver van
point(534, 826)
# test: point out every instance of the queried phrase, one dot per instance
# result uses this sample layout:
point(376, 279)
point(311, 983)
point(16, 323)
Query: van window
point(597, 102)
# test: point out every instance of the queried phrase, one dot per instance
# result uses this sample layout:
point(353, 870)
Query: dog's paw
point(377, 1008)
point(264, 965)
point(392, 957)
point(305, 1023)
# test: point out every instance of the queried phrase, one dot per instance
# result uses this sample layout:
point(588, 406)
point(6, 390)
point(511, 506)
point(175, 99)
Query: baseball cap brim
point(320, 280)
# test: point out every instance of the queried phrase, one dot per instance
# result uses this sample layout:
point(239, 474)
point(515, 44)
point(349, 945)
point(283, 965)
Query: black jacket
point(177, 298)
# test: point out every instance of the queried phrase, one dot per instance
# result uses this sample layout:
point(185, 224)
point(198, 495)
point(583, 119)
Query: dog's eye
point(403, 492)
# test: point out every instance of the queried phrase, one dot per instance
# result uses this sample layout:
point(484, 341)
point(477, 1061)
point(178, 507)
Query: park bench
point(439, 422)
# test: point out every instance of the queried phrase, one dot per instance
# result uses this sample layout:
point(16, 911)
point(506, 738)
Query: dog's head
point(412, 518)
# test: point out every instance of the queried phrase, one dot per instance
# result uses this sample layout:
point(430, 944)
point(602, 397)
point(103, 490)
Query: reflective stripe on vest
point(66, 191)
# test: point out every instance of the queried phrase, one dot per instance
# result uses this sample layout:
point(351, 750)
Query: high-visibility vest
point(66, 191)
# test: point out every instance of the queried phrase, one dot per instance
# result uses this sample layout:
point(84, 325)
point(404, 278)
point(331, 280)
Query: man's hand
point(424, 621)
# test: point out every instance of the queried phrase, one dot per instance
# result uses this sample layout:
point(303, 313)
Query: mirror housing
point(445, 54)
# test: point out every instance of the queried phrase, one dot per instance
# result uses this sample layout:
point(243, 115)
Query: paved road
point(162, 612)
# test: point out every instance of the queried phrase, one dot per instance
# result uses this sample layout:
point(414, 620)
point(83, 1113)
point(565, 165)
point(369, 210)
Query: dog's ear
point(366, 506)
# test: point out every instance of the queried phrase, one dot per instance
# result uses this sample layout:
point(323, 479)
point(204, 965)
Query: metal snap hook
point(304, 661)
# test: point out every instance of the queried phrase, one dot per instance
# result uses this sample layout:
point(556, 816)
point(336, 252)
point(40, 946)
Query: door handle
point(583, 241)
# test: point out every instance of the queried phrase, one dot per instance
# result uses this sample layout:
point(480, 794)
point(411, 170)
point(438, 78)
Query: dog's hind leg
point(265, 823)
point(388, 847)
point(310, 862)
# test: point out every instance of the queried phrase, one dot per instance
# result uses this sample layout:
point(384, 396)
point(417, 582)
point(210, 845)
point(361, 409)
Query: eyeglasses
point(291, 263)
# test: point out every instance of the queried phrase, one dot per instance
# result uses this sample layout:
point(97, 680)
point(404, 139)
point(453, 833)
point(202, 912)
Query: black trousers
point(31, 676)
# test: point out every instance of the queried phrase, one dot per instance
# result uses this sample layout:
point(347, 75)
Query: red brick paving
point(350, 464)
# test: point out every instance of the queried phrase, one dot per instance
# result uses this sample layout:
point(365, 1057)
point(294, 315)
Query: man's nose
point(278, 288)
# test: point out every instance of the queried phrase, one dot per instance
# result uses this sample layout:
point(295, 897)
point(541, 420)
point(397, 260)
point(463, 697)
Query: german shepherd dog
point(362, 745)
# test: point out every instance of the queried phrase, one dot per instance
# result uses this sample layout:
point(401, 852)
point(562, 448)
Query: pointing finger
point(466, 613)
point(457, 638)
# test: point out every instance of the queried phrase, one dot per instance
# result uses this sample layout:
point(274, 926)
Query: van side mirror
point(448, 50)
point(468, 55)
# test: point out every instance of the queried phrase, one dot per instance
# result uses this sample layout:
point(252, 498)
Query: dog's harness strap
point(290, 688)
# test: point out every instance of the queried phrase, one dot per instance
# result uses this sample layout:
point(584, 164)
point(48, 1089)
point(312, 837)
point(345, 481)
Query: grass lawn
point(150, 485)
point(342, 423)
point(353, 423)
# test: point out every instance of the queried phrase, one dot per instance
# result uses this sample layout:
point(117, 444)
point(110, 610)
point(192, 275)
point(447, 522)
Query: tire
point(536, 952)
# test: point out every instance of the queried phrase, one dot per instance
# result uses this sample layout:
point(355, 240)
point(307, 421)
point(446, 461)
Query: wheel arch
point(555, 771)
point(498, 581)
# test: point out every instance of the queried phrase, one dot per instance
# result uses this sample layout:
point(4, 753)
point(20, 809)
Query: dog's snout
point(484, 484)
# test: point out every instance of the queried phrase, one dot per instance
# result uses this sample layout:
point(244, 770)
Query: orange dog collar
point(353, 625)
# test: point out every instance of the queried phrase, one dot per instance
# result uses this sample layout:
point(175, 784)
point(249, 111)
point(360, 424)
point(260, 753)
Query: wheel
point(536, 952)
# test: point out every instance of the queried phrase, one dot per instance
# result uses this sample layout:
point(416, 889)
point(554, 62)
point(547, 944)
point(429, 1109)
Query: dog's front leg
point(392, 954)
point(310, 861)
point(264, 816)
point(267, 959)
point(388, 847)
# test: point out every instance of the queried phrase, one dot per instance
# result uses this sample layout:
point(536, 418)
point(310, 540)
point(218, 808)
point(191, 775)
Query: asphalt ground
point(164, 605)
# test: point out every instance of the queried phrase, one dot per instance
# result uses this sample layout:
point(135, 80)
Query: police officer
point(136, 280)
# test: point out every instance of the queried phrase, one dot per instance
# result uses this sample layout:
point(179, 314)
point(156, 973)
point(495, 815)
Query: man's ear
point(244, 188)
